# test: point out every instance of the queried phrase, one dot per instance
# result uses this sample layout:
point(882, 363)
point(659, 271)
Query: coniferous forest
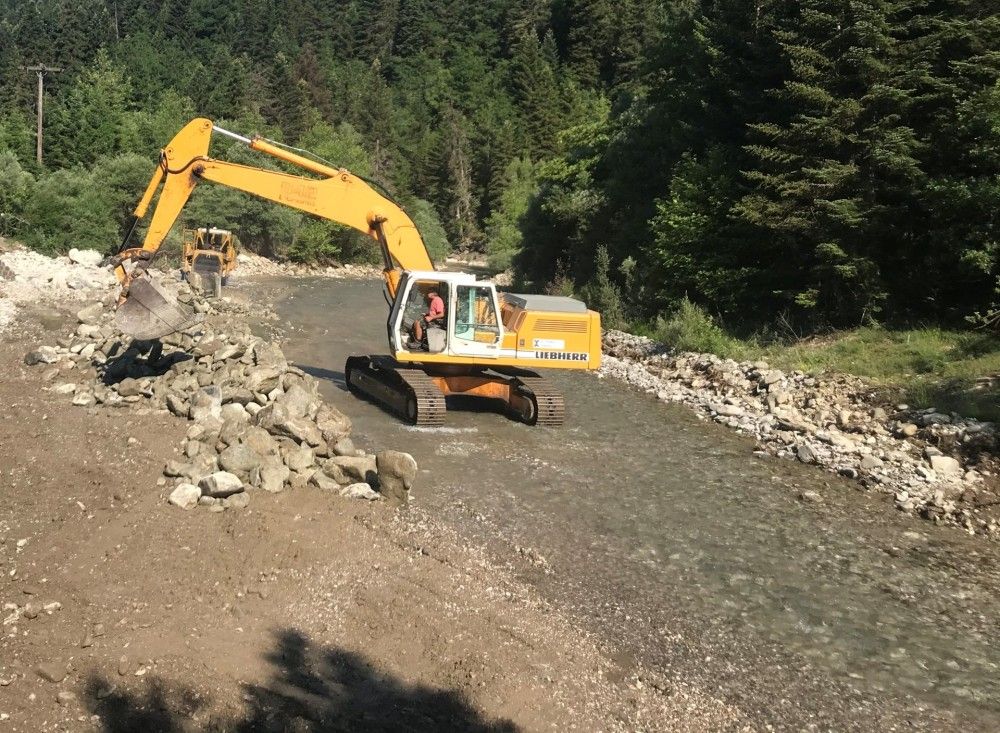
point(825, 162)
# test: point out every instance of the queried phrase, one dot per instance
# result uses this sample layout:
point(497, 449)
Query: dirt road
point(304, 612)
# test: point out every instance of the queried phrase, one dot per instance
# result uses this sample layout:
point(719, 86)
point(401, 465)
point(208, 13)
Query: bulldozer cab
point(471, 326)
point(209, 251)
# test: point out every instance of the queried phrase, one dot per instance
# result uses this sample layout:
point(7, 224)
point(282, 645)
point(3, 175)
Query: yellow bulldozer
point(477, 342)
point(208, 251)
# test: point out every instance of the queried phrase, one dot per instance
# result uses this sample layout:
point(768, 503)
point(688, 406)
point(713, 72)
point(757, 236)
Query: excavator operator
point(434, 314)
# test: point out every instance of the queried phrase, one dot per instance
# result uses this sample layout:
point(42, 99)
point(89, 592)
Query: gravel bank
point(940, 466)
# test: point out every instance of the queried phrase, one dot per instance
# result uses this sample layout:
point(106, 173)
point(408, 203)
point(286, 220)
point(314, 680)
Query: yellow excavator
point(487, 344)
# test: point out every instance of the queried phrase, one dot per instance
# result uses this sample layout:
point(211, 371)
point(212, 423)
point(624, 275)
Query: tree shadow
point(311, 689)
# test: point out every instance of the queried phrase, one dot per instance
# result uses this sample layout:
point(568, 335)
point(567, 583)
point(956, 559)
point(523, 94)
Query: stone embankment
point(28, 277)
point(252, 264)
point(257, 423)
point(922, 458)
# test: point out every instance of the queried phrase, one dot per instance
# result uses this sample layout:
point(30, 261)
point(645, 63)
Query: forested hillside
point(819, 161)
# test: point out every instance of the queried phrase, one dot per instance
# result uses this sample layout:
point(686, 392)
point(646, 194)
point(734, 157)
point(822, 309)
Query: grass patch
point(928, 367)
point(925, 367)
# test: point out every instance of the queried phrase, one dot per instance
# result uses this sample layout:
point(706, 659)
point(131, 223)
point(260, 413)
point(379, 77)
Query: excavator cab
point(471, 328)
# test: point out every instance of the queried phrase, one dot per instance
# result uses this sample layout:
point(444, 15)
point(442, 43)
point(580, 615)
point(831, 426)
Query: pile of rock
point(30, 274)
point(249, 263)
point(28, 277)
point(257, 422)
point(831, 420)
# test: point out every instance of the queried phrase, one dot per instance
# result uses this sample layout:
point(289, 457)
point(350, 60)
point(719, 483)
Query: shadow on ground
point(312, 689)
point(329, 375)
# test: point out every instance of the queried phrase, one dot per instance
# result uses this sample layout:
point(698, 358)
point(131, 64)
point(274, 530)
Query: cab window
point(476, 315)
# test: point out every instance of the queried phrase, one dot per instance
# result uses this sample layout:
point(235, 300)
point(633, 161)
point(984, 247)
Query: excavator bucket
point(149, 313)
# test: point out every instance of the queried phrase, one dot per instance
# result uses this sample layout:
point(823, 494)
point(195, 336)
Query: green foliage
point(17, 135)
point(602, 295)
point(431, 229)
point(69, 208)
point(315, 241)
point(690, 328)
point(561, 283)
point(93, 117)
point(14, 194)
point(503, 227)
point(341, 145)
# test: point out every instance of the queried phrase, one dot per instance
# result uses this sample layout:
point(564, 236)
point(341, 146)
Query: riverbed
point(697, 561)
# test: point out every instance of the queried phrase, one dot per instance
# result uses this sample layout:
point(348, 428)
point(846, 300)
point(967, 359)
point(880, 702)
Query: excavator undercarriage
point(418, 394)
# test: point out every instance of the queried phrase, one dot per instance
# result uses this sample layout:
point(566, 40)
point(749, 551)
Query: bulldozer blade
point(149, 313)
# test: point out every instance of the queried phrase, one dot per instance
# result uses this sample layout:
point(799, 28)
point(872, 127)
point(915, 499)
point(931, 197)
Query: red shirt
point(436, 307)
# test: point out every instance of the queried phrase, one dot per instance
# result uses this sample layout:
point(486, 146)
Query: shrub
point(603, 295)
point(691, 328)
point(315, 241)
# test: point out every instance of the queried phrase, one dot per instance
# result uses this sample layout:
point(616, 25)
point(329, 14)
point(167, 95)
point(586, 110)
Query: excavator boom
point(336, 195)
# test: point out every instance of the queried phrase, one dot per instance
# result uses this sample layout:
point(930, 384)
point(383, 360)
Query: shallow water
point(699, 560)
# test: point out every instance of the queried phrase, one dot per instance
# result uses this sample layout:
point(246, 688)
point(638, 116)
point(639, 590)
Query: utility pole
point(41, 70)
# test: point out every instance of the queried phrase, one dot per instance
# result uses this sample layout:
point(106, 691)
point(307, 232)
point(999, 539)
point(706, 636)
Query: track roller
point(540, 404)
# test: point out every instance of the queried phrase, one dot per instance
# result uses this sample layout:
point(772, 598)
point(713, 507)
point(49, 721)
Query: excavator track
point(410, 393)
point(550, 407)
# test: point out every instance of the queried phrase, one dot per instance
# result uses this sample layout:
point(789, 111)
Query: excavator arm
point(335, 195)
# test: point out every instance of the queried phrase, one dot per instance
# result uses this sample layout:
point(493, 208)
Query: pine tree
point(91, 118)
point(458, 199)
point(590, 39)
point(829, 164)
point(536, 94)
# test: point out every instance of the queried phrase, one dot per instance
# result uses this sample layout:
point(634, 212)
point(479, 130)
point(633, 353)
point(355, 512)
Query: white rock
point(67, 388)
point(221, 484)
point(945, 465)
point(185, 496)
point(359, 491)
point(89, 257)
point(83, 399)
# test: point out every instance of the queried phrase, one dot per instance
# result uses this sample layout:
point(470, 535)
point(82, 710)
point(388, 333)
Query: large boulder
point(91, 314)
point(396, 474)
point(42, 355)
point(344, 447)
point(269, 355)
point(239, 395)
point(945, 465)
point(271, 475)
point(262, 379)
point(234, 411)
point(357, 469)
point(359, 491)
point(260, 441)
point(276, 420)
point(240, 459)
point(298, 458)
point(299, 403)
point(320, 480)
